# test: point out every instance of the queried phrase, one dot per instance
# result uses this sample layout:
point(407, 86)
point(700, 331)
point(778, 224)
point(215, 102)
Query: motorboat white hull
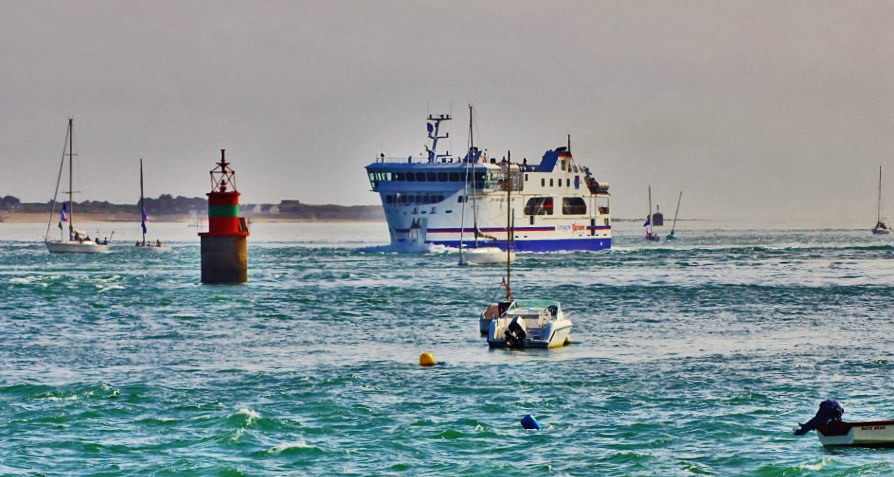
point(484, 256)
point(70, 246)
point(878, 231)
point(554, 335)
point(868, 434)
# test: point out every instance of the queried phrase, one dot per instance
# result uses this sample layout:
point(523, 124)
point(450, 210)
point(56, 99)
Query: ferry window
point(563, 165)
point(442, 177)
point(440, 198)
point(430, 176)
point(539, 206)
point(426, 199)
point(542, 182)
point(550, 182)
point(402, 199)
point(574, 206)
point(454, 177)
point(420, 177)
point(567, 182)
point(389, 199)
point(460, 199)
point(410, 177)
point(526, 178)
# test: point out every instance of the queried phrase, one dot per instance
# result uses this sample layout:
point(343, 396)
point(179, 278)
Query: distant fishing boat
point(671, 236)
point(479, 254)
point(147, 246)
point(652, 237)
point(832, 431)
point(880, 227)
point(78, 241)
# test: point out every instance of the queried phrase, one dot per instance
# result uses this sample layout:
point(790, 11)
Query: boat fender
point(829, 410)
point(516, 333)
point(530, 423)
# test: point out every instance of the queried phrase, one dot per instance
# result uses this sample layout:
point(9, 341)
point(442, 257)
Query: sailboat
point(523, 323)
point(880, 227)
point(477, 255)
point(78, 241)
point(147, 246)
point(652, 237)
point(671, 236)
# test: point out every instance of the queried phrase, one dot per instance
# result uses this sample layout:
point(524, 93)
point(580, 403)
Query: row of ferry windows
point(544, 206)
point(413, 199)
point(567, 182)
point(425, 176)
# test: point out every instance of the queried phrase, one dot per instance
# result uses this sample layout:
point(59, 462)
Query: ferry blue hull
point(559, 245)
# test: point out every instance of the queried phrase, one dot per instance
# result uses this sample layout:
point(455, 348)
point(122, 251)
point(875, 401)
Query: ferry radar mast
point(434, 128)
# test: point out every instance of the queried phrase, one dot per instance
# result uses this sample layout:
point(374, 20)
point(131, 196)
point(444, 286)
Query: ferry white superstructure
point(556, 204)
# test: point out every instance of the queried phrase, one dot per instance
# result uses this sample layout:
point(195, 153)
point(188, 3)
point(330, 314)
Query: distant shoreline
point(35, 217)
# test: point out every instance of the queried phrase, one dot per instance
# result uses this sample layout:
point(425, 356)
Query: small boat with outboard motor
point(833, 431)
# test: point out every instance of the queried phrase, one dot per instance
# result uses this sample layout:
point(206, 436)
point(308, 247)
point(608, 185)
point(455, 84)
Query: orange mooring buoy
point(225, 244)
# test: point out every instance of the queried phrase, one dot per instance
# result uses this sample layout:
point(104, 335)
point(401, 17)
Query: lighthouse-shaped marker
point(224, 245)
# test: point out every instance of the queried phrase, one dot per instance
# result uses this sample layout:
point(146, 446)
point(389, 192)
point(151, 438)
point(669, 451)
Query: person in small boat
point(96, 240)
point(105, 241)
point(158, 243)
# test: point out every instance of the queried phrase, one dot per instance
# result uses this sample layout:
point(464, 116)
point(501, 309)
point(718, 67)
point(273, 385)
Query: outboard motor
point(516, 333)
point(829, 411)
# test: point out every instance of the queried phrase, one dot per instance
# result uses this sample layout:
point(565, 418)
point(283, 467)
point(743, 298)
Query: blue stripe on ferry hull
point(541, 245)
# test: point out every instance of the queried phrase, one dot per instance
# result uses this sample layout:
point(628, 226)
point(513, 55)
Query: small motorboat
point(530, 324)
point(833, 431)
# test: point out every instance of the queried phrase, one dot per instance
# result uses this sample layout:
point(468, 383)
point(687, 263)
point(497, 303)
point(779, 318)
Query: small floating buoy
point(426, 359)
point(528, 422)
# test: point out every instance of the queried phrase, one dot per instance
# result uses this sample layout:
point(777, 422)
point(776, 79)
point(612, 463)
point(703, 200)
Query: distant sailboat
point(652, 237)
point(144, 246)
point(880, 227)
point(671, 236)
point(78, 241)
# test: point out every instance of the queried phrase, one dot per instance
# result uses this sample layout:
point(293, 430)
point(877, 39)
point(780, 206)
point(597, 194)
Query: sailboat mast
point(651, 225)
point(472, 156)
point(508, 221)
point(70, 178)
point(879, 208)
point(142, 205)
point(674, 227)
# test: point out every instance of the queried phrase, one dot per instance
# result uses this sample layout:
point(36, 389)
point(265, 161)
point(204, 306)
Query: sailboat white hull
point(152, 249)
point(72, 246)
point(484, 256)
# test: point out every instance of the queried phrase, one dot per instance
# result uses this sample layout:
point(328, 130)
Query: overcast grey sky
point(760, 111)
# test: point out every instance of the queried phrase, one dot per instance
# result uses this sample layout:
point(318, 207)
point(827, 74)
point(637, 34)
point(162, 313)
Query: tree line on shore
point(167, 204)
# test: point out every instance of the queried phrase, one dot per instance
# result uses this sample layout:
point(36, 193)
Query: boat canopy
point(533, 304)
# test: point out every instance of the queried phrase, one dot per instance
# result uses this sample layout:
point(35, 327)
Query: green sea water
point(691, 358)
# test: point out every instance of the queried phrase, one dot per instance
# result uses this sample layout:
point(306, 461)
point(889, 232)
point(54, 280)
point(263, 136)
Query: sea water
point(695, 357)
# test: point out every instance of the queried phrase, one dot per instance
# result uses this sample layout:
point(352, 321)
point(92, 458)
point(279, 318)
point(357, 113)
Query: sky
point(760, 111)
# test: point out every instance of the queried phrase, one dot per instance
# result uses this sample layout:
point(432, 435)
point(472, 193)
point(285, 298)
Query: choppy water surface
point(696, 357)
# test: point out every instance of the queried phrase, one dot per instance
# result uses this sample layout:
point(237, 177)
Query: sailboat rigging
point(478, 255)
point(880, 227)
point(671, 236)
point(650, 236)
point(78, 241)
point(144, 217)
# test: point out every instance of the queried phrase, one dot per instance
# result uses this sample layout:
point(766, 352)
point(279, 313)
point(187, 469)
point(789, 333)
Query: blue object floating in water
point(528, 422)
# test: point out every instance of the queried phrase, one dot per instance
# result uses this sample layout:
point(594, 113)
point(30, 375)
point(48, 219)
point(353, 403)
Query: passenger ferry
point(462, 201)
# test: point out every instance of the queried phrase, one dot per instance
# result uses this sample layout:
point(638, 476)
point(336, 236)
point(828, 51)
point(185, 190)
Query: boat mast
point(472, 155)
point(651, 225)
point(508, 222)
point(142, 205)
point(677, 212)
point(70, 179)
point(878, 209)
